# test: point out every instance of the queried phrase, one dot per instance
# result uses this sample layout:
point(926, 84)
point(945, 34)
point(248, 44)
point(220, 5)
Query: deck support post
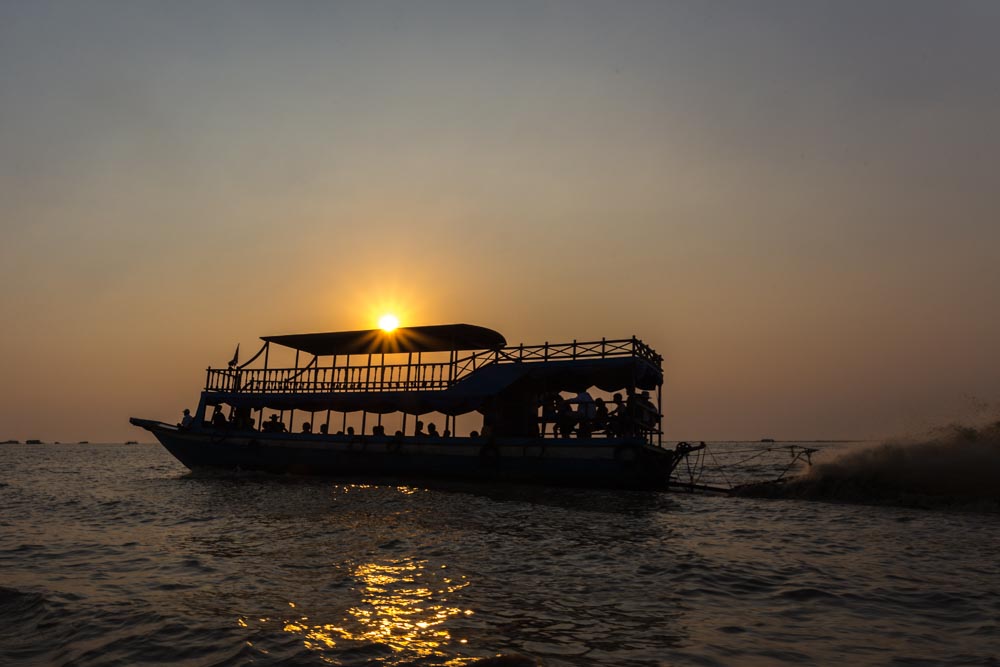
point(659, 413)
point(291, 413)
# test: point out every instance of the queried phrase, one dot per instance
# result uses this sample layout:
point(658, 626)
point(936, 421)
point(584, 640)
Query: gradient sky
point(797, 203)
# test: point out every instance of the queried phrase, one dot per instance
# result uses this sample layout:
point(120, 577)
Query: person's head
point(350, 430)
point(273, 418)
point(420, 424)
point(618, 398)
point(186, 411)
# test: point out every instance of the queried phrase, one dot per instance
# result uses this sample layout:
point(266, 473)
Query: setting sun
point(388, 322)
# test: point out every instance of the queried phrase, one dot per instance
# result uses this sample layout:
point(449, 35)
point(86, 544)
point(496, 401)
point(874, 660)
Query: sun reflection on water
point(404, 605)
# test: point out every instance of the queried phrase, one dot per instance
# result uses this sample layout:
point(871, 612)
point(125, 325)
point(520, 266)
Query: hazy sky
point(797, 203)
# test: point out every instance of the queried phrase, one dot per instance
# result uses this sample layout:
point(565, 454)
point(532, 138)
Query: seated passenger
point(585, 411)
point(307, 427)
point(271, 425)
point(565, 419)
point(241, 419)
point(648, 414)
point(550, 410)
point(600, 420)
point(446, 434)
point(419, 431)
point(350, 431)
point(432, 430)
point(187, 421)
point(584, 405)
point(323, 428)
point(618, 421)
point(219, 419)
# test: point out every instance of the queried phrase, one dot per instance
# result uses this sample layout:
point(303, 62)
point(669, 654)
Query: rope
point(696, 466)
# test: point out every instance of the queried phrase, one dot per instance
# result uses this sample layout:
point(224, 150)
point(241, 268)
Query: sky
point(797, 203)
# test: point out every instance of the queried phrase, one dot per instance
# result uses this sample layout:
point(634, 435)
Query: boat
point(525, 430)
point(131, 442)
point(10, 442)
point(32, 442)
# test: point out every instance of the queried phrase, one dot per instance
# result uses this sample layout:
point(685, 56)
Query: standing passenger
point(219, 419)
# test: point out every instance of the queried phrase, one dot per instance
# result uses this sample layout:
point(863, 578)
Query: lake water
point(115, 555)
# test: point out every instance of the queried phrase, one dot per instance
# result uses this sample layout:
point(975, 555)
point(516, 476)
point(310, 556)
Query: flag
point(236, 357)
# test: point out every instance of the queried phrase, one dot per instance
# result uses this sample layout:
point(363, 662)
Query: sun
point(388, 322)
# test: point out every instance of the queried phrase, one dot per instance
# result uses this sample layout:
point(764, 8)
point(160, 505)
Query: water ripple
point(116, 556)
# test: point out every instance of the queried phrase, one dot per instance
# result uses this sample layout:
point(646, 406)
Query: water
point(114, 555)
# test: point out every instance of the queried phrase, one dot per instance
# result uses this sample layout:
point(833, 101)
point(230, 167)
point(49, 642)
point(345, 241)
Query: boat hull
point(569, 462)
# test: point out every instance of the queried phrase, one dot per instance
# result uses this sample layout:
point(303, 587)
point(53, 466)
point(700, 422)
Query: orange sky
point(795, 203)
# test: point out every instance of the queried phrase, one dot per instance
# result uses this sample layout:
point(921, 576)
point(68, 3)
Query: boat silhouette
point(530, 432)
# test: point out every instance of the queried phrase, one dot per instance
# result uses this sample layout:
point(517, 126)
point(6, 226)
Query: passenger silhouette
point(566, 418)
point(600, 421)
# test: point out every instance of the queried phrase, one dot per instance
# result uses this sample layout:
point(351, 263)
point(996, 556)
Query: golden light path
point(403, 605)
point(388, 322)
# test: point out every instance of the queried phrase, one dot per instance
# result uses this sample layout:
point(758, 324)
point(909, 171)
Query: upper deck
point(367, 373)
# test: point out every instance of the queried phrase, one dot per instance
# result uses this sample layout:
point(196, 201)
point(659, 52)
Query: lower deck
point(599, 462)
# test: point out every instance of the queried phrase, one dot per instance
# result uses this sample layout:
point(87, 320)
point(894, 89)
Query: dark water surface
point(114, 555)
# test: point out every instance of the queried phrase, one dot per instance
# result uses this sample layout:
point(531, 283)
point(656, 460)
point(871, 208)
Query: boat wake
point(956, 466)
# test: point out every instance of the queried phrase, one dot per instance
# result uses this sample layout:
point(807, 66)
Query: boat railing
point(429, 376)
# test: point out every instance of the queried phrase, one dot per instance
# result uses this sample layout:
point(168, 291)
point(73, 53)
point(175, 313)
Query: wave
point(953, 466)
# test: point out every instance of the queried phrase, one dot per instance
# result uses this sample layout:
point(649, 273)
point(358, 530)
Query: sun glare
point(388, 322)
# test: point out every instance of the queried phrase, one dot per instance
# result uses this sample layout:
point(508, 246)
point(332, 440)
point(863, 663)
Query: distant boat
point(32, 442)
point(131, 442)
point(10, 442)
point(767, 439)
point(83, 442)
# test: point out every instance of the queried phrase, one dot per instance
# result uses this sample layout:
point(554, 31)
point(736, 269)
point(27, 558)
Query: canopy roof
point(436, 338)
